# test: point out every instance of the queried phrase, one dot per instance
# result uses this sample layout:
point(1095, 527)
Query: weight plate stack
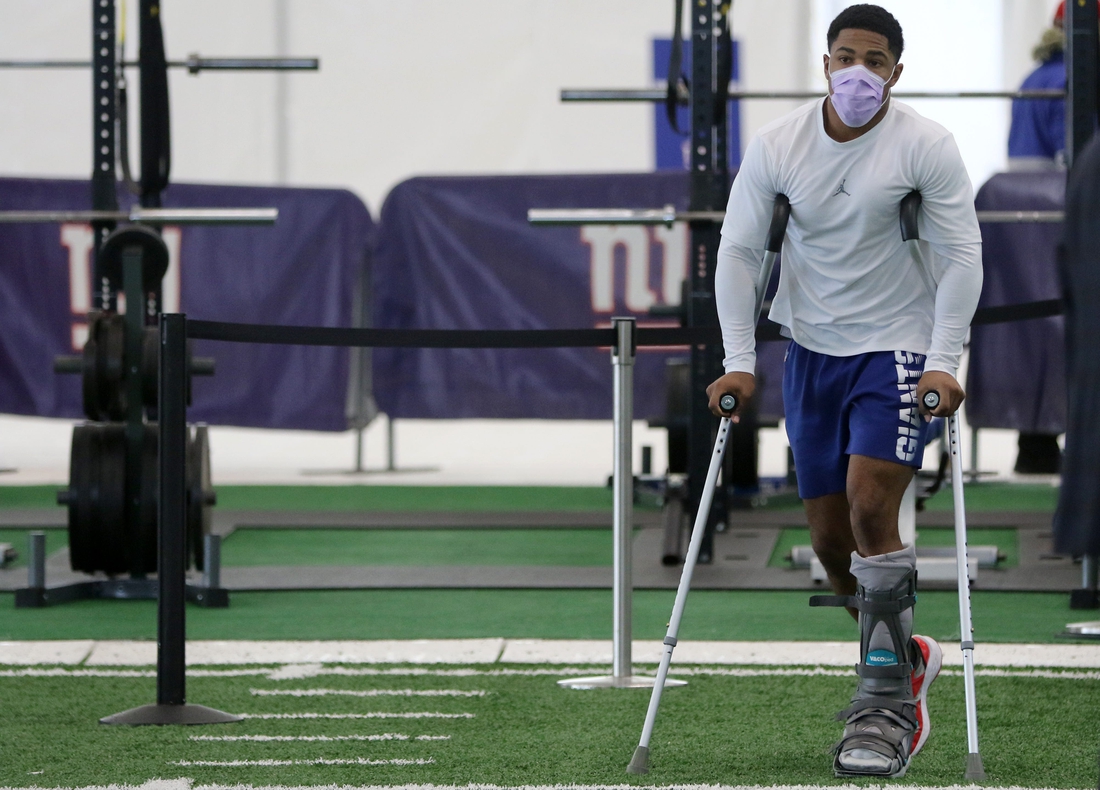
point(99, 537)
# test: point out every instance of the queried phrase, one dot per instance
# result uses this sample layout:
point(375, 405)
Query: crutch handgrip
point(931, 400)
point(781, 214)
point(728, 403)
point(910, 209)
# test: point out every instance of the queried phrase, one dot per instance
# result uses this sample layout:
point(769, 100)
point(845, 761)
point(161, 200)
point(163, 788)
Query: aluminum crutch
point(974, 768)
point(781, 212)
point(639, 763)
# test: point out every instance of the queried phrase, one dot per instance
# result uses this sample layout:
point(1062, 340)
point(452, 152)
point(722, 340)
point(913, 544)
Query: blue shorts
point(841, 406)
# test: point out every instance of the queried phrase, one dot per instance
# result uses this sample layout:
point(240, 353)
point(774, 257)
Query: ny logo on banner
point(78, 240)
point(638, 249)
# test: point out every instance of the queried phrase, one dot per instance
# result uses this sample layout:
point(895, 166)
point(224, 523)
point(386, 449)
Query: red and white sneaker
point(931, 661)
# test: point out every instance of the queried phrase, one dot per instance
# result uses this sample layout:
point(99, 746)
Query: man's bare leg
point(832, 541)
point(856, 537)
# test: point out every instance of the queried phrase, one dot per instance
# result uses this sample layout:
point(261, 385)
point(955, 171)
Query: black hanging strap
point(675, 70)
point(156, 158)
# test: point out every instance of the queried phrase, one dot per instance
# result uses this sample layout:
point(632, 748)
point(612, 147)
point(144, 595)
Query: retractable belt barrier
point(533, 338)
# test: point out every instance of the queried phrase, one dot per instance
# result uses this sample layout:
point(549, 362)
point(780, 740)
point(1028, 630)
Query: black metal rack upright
point(711, 53)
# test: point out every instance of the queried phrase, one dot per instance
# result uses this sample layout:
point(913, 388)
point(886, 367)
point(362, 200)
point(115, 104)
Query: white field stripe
point(306, 656)
point(281, 763)
point(743, 672)
point(385, 736)
point(366, 693)
point(478, 786)
point(189, 784)
point(689, 671)
point(372, 715)
point(748, 672)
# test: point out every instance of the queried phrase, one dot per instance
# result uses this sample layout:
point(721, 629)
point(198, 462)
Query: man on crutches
point(875, 324)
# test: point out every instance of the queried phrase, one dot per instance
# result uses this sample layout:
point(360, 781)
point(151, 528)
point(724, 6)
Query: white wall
point(417, 87)
point(423, 87)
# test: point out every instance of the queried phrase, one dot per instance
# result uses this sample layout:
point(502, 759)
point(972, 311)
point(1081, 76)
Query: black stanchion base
point(119, 589)
point(1084, 599)
point(170, 714)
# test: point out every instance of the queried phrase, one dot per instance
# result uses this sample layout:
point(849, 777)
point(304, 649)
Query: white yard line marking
point(189, 784)
point(1008, 672)
point(280, 763)
point(301, 659)
point(372, 715)
point(366, 693)
point(385, 736)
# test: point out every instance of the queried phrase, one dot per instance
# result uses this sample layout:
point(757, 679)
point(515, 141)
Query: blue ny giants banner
point(458, 253)
point(302, 270)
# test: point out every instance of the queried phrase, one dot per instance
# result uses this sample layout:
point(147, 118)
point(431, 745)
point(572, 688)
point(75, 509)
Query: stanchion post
point(623, 494)
point(172, 512)
point(622, 486)
point(171, 706)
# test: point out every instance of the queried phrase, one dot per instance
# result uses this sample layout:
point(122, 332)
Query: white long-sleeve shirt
point(848, 283)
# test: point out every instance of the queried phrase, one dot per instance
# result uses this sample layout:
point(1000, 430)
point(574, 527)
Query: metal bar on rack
point(669, 215)
point(658, 95)
point(155, 216)
point(194, 64)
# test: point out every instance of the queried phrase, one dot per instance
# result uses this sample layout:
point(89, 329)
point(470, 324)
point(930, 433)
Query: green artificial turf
point(979, 496)
point(1004, 539)
point(524, 730)
point(549, 614)
point(1013, 497)
point(577, 547)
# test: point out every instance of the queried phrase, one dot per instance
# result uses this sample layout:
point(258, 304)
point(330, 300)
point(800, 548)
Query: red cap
point(1060, 14)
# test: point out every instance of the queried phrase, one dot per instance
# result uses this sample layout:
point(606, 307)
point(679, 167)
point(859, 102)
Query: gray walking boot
point(880, 723)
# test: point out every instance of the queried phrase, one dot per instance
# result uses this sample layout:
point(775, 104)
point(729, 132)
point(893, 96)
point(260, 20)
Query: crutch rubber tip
point(974, 768)
point(639, 763)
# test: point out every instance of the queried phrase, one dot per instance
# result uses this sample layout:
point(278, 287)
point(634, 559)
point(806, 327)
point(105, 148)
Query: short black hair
point(868, 17)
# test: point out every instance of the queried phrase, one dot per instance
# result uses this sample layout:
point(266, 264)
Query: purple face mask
point(857, 94)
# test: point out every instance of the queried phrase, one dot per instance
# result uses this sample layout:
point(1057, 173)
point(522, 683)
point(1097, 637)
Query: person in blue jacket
point(1037, 136)
point(1037, 141)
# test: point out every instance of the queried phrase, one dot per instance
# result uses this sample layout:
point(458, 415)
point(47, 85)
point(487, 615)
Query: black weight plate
point(81, 540)
point(149, 496)
point(89, 380)
point(110, 502)
point(150, 364)
point(154, 255)
point(97, 498)
point(111, 361)
point(200, 494)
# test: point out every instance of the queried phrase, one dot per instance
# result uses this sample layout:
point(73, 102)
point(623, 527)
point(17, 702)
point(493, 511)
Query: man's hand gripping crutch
point(728, 403)
point(934, 404)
